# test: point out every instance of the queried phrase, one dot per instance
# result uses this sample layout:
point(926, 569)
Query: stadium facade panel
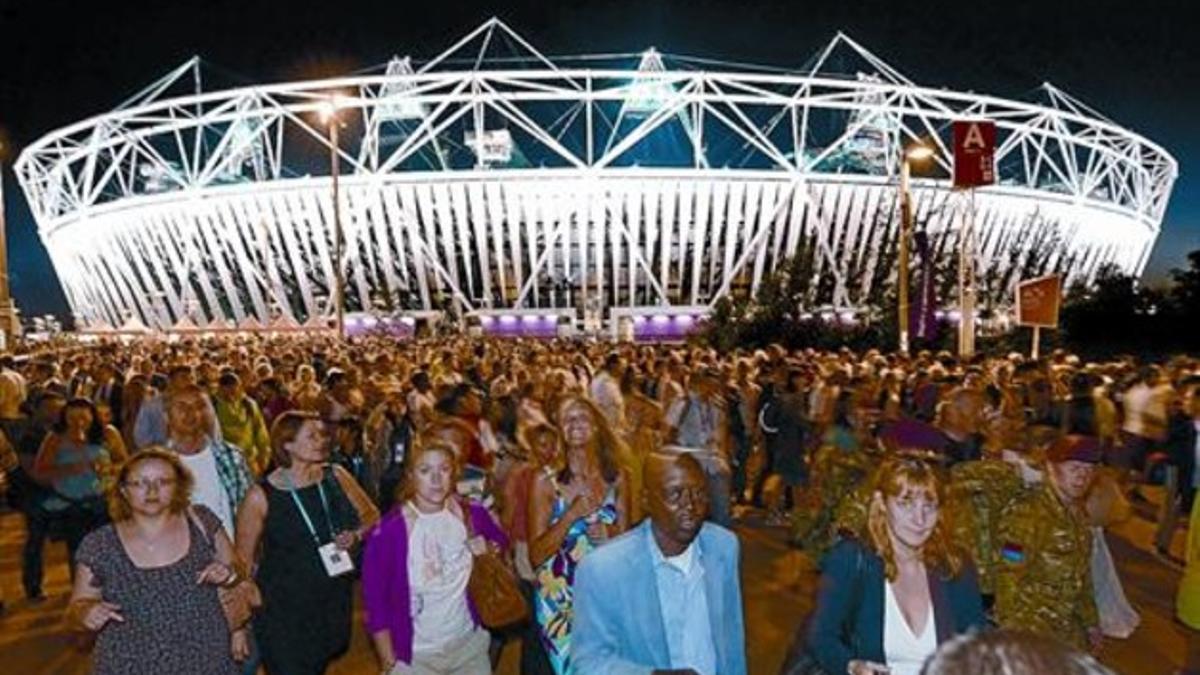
point(486, 183)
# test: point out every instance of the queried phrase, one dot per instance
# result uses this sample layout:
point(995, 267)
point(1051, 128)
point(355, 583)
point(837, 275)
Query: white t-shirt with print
point(439, 566)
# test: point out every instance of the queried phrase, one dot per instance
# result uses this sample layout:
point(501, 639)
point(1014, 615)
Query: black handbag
point(799, 659)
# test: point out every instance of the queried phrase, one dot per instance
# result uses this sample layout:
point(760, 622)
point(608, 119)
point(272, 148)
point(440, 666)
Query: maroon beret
point(1077, 448)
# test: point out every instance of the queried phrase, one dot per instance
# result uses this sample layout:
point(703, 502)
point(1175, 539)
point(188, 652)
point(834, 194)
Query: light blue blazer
point(618, 626)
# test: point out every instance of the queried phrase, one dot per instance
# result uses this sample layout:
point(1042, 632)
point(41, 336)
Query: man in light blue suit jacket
point(666, 596)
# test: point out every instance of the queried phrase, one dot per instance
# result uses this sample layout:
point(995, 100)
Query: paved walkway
point(777, 582)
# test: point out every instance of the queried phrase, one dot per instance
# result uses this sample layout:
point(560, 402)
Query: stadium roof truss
point(529, 182)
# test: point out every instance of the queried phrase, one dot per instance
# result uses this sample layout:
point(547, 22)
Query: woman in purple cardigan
point(415, 570)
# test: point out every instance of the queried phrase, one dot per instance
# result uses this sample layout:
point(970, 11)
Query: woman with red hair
point(887, 601)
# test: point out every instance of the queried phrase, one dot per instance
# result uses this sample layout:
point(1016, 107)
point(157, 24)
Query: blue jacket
point(618, 622)
point(837, 633)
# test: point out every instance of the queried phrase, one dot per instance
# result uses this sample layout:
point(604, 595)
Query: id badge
point(337, 562)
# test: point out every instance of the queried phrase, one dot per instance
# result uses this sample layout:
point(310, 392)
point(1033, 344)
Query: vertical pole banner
point(921, 315)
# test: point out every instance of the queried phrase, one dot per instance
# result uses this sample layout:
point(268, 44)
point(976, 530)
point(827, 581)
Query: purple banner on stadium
point(921, 314)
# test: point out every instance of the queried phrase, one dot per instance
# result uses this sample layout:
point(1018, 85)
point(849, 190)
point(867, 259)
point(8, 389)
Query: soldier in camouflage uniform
point(837, 481)
point(1044, 582)
point(977, 495)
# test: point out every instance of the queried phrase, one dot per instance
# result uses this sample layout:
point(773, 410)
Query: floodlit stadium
point(498, 182)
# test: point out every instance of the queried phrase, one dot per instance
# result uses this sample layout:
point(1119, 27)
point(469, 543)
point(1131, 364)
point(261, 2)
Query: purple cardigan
point(386, 592)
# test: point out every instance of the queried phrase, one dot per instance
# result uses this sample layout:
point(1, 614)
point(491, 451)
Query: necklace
point(147, 542)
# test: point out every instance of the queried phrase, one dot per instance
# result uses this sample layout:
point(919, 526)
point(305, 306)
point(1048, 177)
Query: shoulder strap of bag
point(466, 517)
point(195, 520)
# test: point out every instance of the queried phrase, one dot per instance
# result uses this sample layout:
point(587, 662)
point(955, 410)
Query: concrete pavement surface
point(778, 584)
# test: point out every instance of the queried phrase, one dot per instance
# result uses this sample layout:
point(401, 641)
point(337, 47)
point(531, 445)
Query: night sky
point(1138, 63)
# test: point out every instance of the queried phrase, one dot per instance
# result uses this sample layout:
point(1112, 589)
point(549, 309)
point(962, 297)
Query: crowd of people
point(224, 500)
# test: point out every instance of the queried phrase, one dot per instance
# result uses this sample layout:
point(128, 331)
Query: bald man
point(666, 596)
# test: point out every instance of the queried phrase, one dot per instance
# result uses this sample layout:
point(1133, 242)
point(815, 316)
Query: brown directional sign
point(1038, 301)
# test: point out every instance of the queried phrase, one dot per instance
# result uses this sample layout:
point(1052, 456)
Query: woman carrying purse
point(417, 566)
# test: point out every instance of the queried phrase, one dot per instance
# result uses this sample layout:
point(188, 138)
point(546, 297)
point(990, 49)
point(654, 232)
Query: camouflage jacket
point(978, 493)
point(1043, 580)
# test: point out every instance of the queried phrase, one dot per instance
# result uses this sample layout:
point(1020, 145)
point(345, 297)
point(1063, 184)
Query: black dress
point(305, 620)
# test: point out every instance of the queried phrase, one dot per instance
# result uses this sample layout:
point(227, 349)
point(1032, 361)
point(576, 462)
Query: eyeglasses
point(143, 485)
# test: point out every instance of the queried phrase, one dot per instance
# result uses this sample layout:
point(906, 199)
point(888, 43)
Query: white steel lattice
point(527, 182)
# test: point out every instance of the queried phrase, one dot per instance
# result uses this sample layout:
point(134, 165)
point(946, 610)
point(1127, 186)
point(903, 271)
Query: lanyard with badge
point(337, 562)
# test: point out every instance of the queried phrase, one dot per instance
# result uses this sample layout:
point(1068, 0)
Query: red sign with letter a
point(974, 153)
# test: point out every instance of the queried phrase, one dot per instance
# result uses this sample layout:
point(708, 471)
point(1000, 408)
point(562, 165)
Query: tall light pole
point(7, 314)
point(912, 153)
point(329, 114)
point(966, 282)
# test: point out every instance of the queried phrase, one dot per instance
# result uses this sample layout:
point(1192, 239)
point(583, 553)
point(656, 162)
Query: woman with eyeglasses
point(887, 601)
point(146, 584)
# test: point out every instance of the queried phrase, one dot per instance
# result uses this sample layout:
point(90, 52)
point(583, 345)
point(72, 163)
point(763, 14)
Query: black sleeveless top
point(306, 614)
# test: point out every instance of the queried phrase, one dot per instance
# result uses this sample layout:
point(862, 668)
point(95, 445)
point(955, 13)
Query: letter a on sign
point(974, 153)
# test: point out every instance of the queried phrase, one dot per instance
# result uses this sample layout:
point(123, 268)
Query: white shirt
point(905, 652)
point(684, 605)
point(208, 489)
point(439, 567)
point(1146, 410)
point(606, 392)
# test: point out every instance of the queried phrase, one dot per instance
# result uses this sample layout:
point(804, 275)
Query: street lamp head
point(918, 152)
point(328, 108)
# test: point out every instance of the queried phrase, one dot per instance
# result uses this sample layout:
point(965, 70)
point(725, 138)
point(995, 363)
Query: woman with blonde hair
point(572, 512)
point(416, 566)
point(887, 601)
point(146, 584)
